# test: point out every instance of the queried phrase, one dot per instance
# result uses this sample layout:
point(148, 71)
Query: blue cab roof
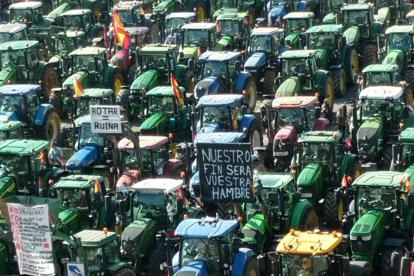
point(13, 89)
point(219, 137)
point(220, 100)
point(219, 56)
point(209, 228)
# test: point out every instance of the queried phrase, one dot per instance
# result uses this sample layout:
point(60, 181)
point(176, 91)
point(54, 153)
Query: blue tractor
point(222, 72)
point(277, 9)
point(22, 102)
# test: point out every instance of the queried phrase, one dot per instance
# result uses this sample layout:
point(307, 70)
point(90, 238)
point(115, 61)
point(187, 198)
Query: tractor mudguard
point(139, 236)
point(59, 10)
point(395, 57)
point(394, 242)
point(171, 166)
point(352, 35)
point(302, 6)
point(349, 161)
point(108, 75)
point(162, 6)
point(289, 87)
point(299, 210)
point(330, 18)
point(41, 113)
point(246, 122)
point(240, 260)
point(148, 79)
point(256, 61)
point(82, 158)
point(198, 268)
point(180, 72)
point(410, 65)
point(322, 58)
point(224, 41)
point(207, 86)
point(241, 81)
point(358, 267)
point(38, 70)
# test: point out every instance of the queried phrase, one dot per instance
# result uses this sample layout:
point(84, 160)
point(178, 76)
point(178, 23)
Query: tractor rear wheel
point(116, 82)
point(409, 97)
point(387, 158)
point(369, 55)
point(255, 134)
point(339, 78)
point(351, 65)
point(157, 258)
point(409, 76)
point(188, 81)
point(309, 220)
point(57, 101)
point(132, 72)
point(327, 91)
point(269, 82)
point(223, 209)
point(61, 139)
point(51, 127)
point(251, 16)
point(332, 212)
point(125, 272)
point(391, 260)
point(251, 94)
point(95, 10)
point(201, 11)
point(251, 268)
point(154, 33)
point(123, 100)
point(49, 81)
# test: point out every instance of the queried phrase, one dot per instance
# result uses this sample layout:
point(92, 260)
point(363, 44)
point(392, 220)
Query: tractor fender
point(350, 159)
point(240, 261)
point(109, 73)
point(208, 86)
point(246, 122)
point(410, 65)
point(171, 166)
point(179, 73)
point(299, 210)
point(352, 35)
point(41, 113)
point(241, 81)
point(302, 6)
point(394, 242)
point(256, 61)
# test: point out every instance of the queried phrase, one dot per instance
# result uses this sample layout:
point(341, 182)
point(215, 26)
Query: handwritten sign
point(226, 173)
point(105, 119)
point(32, 239)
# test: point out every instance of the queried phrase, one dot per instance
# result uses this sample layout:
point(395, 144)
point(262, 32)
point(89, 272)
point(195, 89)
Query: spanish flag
point(41, 156)
point(120, 35)
point(77, 86)
point(176, 90)
point(97, 188)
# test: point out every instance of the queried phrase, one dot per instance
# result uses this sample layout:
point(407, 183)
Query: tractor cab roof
point(76, 12)
point(219, 56)
point(220, 100)
point(158, 48)
point(12, 28)
point(273, 180)
point(231, 14)
point(22, 147)
point(19, 89)
point(381, 68)
point(184, 15)
point(296, 54)
point(163, 91)
point(380, 179)
point(87, 51)
point(136, 31)
point(199, 26)
point(407, 135)
point(18, 45)
point(10, 125)
point(381, 93)
point(219, 137)
point(400, 29)
point(71, 34)
point(207, 228)
point(328, 28)
point(78, 181)
point(309, 243)
point(97, 93)
point(167, 185)
point(25, 5)
point(145, 142)
point(128, 5)
point(266, 31)
point(357, 7)
point(299, 15)
point(95, 238)
point(320, 137)
point(294, 102)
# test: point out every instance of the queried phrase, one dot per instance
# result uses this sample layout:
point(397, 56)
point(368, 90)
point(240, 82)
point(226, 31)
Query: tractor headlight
point(366, 238)
point(353, 238)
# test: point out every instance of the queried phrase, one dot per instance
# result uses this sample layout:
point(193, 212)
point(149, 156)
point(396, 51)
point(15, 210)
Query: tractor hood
point(6, 74)
point(7, 186)
point(127, 178)
point(366, 224)
point(367, 135)
point(8, 116)
point(289, 87)
point(224, 41)
point(153, 121)
point(255, 61)
point(394, 57)
point(84, 157)
point(309, 174)
point(194, 268)
point(70, 218)
point(139, 236)
point(207, 86)
point(277, 12)
point(190, 51)
point(286, 132)
point(146, 79)
point(210, 128)
point(352, 35)
point(330, 18)
point(292, 38)
point(82, 76)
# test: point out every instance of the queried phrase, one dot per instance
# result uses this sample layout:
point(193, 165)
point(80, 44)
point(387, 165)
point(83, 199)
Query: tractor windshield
point(12, 163)
point(296, 25)
point(215, 68)
point(321, 40)
point(410, 20)
point(86, 137)
point(83, 62)
point(73, 198)
point(98, 257)
point(379, 79)
point(153, 61)
point(129, 159)
point(291, 67)
point(399, 41)
point(355, 18)
point(376, 198)
point(261, 44)
point(230, 27)
point(84, 103)
point(196, 37)
point(218, 115)
point(407, 157)
point(147, 199)
point(293, 117)
point(20, 16)
point(201, 250)
point(175, 23)
point(163, 105)
point(375, 108)
point(73, 22)
point(14, 134)
point(316, 152)
point(294, 265)
point(4, 37)
point(14, 103)
point(126, 17)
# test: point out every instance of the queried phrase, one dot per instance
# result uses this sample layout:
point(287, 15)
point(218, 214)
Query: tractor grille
point(366, 138)
point(132, 234)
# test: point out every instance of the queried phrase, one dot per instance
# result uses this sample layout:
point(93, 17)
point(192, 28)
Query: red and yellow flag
point(97, 188)
point(176, 90)
point(77, 86)
point(41, 156)
point(121, 36)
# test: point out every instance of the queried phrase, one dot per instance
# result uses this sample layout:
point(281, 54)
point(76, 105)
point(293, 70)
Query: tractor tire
point(309, 221)
point(50, 129)
point(108, 179)
point(56, 100)
point(269, 85)
point(252, 16)
point(157, 258)
point(387, 158)
point(409, 97)
point(327, 91)
point(255, 134)
point(391, 260)
point(251, 268)
point(339, 78)
point(132, 73)
point(60, 140)
point(332, 213)
point(369, 55)
point(351, 66)
point(49, 81)
point(95, 10)
point(125, 272)
point(123, 100)
point(116, 83)
point(251, 94)
point(188, 82)
point(201, 12)
point(223, 209)
point(154, 33)
point(409, 76)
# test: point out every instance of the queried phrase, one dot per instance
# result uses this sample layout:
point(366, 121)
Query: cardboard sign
point(105, 119)
point(32, 239)
point(226, 172)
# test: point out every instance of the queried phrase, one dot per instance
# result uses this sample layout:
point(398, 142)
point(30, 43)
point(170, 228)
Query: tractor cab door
point(87, 22)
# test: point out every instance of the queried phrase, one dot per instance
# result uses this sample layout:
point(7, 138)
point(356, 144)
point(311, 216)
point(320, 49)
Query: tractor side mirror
point(406, 112)
point(318, 112)
point(410, 200)
point(344, 264)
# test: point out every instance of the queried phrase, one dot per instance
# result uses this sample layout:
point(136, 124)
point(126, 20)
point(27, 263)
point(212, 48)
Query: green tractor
point(29, 13)
point(98, 8)
point(156, 64)
point(295, 24)
point(233, 29)
point(300, 76)
point(90, 67)
point(380, 221)
point(9, 32)
point(22, 64)
point(402, 150)
point(323, 172)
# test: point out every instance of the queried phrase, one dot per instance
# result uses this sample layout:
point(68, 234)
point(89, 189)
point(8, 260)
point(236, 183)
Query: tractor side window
point(99, 65)
point(87, 22)
point(172, 204)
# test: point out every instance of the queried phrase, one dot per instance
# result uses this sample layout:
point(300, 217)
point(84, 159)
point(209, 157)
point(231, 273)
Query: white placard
point(105, 118)
point(75, 269)
point(32, 239)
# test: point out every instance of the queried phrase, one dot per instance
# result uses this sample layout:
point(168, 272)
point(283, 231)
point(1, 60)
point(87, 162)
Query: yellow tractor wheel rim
point(191, 86)
point(201, 14)
point(329, 95)
point(340, 210)
point(117, 86)
point(342, 82)
point(354, 64)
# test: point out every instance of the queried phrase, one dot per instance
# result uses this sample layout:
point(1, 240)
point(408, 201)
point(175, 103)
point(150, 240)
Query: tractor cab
point(403, 149)
point(91, 96)
point(233, 28)
point(277, 9)
point(81, 20)
point(295, 24)
point(398, 38)
point(66, 42)
point(11, 130)
point(362, 17)
point(130, 12)
point(29, 13)
point(380, 75)
point(173, 30)
point(10, 32)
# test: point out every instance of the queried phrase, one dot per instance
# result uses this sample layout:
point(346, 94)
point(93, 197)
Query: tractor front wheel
point(327, 90)
point(339, 78)
point(116, 82)
point(157, 258)
point(251, 268)
point(51, 127)
point(122, 99)
point(255, 134)
point(351, 65)
point(387, 158)
point(391, 260)
point(125, 272)
point(132, 72)
point(49, 81)
point(309, 220)
point(251, 94)
point(56, 99)
point(333, 212)
point(269, 82)
point(369, 55)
